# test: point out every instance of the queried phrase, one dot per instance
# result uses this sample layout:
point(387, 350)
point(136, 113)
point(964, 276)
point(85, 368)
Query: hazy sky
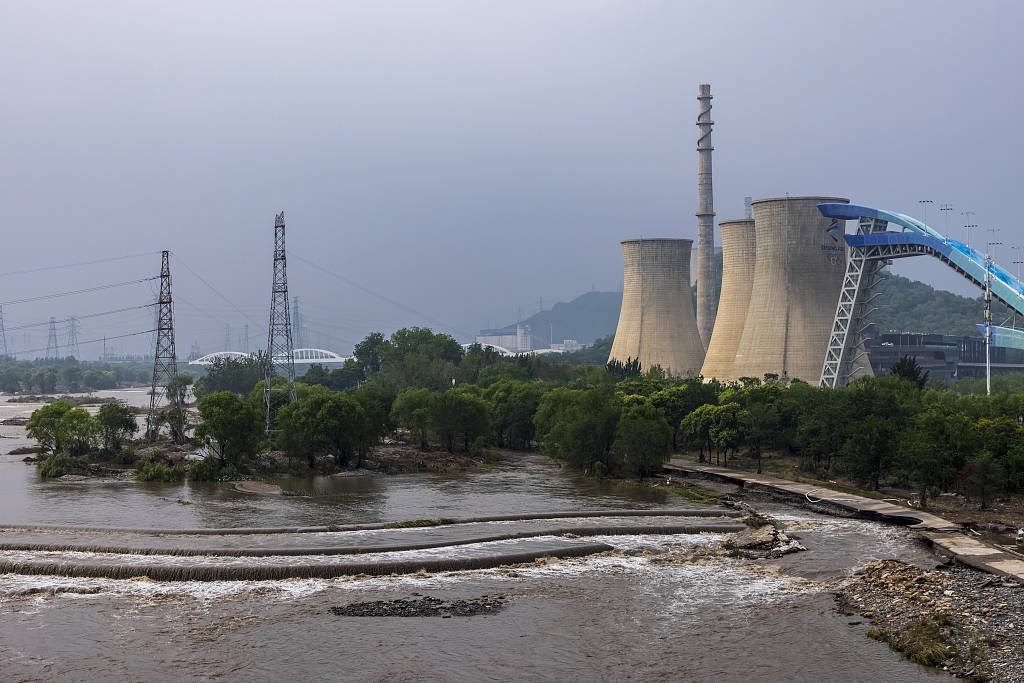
point(464, 158)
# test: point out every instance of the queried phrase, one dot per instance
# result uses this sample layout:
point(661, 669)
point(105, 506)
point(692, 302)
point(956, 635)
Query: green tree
point(727, 428)
point(458, 415)
point(982, 478)
point(643, 441)
point(44, 425)
point(117, 424)
point(578, 425)
point(230, 426)
point(696, 428)
point(411, 410)
point(367, 353)
point(908, 368)
point(325, 423)
point(512, 407)
point(79, 432)
point(238, 375)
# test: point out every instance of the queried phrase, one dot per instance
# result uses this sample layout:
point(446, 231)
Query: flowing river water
point(656, 607)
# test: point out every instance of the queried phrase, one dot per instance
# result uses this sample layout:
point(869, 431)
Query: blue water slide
point(968, 262)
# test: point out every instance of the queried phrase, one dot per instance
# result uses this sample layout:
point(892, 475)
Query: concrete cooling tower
point(737, 278)
point(798, 274)
point(656, 322)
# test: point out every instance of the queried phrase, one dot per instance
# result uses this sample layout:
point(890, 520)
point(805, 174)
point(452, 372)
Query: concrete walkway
point(946, 536)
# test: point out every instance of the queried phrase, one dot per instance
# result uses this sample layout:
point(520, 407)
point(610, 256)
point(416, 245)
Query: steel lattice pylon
point(280, 352)
point(52, 349)
point(165, 363)
point(849, 327)
point(3, 334)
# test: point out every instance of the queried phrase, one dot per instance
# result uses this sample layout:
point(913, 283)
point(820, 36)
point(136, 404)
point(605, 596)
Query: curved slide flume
point(968, 262)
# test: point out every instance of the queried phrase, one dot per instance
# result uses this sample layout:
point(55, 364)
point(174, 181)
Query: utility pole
point(165, 363)
point(3, 334)
point(1017, 263)
point(280, 352)
point(968, 226)
point(51, 342)
point(946, 208)
point(72, 345)
point(924, 209)
point(988, 315)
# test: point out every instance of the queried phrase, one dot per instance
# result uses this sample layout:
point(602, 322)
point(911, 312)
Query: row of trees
point(618, 419)
point(68, 375)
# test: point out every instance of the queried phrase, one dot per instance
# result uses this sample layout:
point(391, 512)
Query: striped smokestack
point(705, 219)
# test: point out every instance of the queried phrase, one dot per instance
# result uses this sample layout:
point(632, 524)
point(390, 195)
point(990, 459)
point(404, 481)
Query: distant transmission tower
point(51, 342)
point(72, 345)
point(245, 338)
point(3, 334)
point(298, 329)
point(280, 352)
point(748, 208)
point(165, 362)
point(227, 337)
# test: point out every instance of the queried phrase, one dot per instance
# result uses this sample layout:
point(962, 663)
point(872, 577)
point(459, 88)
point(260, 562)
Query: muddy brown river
point(655, 607)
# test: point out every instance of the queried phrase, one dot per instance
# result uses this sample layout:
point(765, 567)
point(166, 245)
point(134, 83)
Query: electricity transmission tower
point(3, 334)
point(165, 364)
point(245, 338)
point(298, 330)
point(51, 342)
point(280, 352)
point(227, 337)
point(72, 345)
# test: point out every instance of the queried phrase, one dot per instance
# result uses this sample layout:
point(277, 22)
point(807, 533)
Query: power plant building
point(799, 264)
point(734, 301)
point(657, 325)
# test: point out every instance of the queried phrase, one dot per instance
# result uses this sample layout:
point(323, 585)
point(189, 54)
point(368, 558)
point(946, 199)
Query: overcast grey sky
point(465, 158)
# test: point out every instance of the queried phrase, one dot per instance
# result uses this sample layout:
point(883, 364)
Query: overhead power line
point(75, 265)
point(81, 317)
point(90, 341)
point(76, 291)
point(215, 291)
point(353, 283)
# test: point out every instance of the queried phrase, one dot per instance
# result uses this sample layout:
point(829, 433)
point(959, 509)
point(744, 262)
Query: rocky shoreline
point(957, 619)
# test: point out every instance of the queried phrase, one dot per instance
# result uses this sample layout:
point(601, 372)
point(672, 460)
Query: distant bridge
point(299, 356)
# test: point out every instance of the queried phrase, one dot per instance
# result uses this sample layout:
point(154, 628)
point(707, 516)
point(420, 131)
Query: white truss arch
point(210, 357)
point(317, 356)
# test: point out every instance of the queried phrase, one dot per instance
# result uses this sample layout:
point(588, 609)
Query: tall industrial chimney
point(656, 322)
point(800, 261)
point(737, 277)
point(705, 219)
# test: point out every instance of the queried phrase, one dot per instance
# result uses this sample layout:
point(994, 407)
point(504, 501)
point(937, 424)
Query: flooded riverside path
point(655, 607)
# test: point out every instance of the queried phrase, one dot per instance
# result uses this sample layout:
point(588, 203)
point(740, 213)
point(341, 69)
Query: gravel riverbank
point(957, 619)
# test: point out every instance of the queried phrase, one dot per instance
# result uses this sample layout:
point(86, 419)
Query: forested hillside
point(905, 305)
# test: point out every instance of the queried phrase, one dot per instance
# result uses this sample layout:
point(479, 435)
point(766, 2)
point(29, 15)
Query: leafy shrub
point(59, 464)
point(210, 469)
point(153, 467)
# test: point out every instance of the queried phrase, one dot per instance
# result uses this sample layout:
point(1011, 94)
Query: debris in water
point(424, 607)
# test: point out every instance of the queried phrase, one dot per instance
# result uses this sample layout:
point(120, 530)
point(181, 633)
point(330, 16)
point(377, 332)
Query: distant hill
point(905, 305)
point(585, 319)
point(912, 306)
